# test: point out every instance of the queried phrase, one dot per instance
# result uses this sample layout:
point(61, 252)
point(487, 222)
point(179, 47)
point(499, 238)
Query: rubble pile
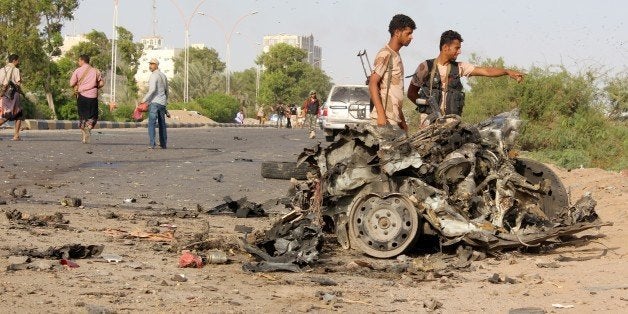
point(380, 191)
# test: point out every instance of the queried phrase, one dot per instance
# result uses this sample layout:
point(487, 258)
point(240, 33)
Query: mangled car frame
point(381, 191)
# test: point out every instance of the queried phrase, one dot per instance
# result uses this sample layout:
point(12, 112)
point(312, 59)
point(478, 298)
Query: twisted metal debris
point(381, 191)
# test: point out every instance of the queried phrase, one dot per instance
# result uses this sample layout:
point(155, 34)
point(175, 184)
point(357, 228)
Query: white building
point(68, 43)
point(153, 48)
point(314, 53)
point(152, 42)
point(166, 64)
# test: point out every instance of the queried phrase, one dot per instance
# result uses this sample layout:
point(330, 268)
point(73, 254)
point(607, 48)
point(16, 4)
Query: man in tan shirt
point(386, 81)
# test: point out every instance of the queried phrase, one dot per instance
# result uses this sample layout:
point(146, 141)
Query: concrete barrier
point(31, 124)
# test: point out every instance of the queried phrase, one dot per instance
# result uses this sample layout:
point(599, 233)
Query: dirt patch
point(185, 116)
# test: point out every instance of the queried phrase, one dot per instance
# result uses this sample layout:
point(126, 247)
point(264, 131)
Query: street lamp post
point(186, 49)
point(228, 42)
point(257, 67)
point(114, 56)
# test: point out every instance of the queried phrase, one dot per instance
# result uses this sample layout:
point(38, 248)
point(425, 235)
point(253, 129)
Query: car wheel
point(285, 170)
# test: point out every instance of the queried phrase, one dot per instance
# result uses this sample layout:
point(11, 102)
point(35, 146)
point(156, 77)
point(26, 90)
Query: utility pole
point(114, 56)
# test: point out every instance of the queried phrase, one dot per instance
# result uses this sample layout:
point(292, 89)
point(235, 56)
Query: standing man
point(86, 81)
point(260, 114)
point(293, 114)
point(157, 98)
point(310, 107)
point(437, 81)
point(280, 110)
point(386, 81)
point(11, 81)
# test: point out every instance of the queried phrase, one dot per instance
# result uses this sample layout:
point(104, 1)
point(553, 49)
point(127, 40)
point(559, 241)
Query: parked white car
point(346, 104)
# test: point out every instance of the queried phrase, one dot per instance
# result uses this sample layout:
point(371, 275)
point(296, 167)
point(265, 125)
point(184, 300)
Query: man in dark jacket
point(439, 79)
point(310, 107)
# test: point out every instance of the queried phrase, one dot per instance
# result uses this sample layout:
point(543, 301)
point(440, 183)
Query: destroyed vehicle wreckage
point(380, 191)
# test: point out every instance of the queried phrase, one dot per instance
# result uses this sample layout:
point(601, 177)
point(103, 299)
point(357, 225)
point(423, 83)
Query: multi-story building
point(153, 48)
point(314, 53)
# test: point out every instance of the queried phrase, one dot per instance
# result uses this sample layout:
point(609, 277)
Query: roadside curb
point(31, 124)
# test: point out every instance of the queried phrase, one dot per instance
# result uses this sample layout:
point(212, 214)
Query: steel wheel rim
point(383, 227)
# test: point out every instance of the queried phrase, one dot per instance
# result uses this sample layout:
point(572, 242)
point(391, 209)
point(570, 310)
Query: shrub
point(219, 107)
point(123, 113)
point(67, 111)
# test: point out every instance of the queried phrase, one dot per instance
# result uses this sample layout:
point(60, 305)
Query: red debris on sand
point(69, 263)
point(190, 260)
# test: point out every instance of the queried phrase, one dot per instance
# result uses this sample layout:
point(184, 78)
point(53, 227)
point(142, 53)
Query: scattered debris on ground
point(242, 208)
point(69, 251)
point(153, 235)
point(71, 201)
point(22, 193)
point(55, 220)
point(294, 241)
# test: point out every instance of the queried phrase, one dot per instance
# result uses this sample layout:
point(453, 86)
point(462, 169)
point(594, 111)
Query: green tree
point(32, 29)
point(275, 86)
point(219, 107)
point(314, 79)
point(243, 87)
point(287, 77)
point(129, 53)
point(205, 74)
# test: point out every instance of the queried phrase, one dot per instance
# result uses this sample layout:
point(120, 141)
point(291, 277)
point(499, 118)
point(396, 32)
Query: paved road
point(119, 165)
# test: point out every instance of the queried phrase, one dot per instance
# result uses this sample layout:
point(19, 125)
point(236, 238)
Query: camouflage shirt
point(392, 103)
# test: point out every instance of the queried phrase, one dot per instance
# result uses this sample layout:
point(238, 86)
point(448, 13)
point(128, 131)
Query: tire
point(285, 170)
point(557, 199)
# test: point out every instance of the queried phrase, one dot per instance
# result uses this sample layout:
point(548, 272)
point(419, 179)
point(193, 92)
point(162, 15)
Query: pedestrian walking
point(310, 107)
point(86, 80)
point(11, 95)
point(260, 114)
point(157, 100)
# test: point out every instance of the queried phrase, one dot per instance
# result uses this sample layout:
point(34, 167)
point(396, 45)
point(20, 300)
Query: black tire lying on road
point(285, 170)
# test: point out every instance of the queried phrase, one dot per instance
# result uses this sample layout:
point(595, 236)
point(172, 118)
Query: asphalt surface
point(119, 165)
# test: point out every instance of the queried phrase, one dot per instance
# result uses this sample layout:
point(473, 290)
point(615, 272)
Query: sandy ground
point(143, 281)
point(185, 116)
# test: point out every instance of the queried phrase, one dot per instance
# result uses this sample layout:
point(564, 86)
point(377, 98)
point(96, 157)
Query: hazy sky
point(578, 34)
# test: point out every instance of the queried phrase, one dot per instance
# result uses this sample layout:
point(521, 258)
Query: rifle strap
point(432, 73)
point(82, 78)
point(389, 70)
